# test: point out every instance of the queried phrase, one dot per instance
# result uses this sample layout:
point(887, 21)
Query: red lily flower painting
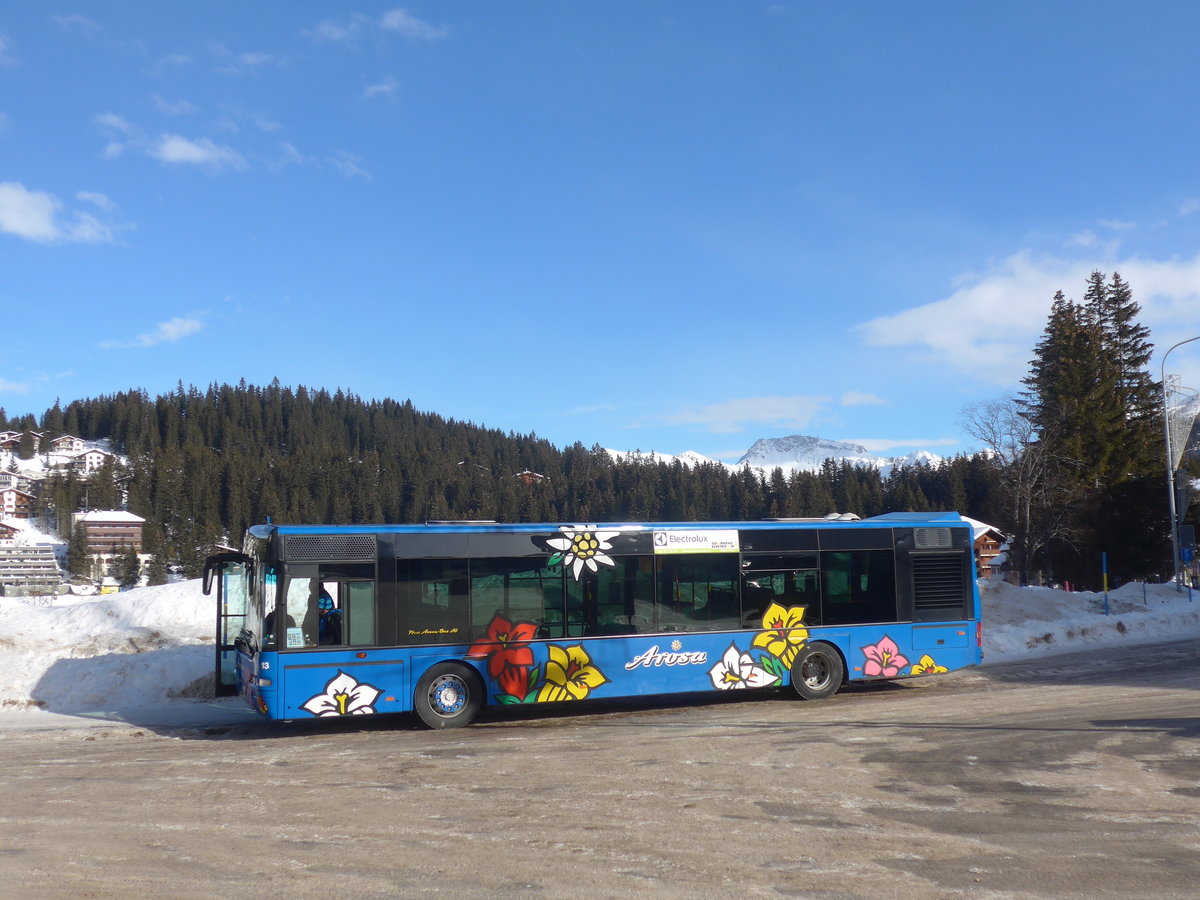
point(506, 648)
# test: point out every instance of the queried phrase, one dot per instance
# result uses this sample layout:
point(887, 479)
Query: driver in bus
point(329, 623)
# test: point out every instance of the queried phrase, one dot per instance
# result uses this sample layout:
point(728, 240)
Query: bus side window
point(433, 601)
point(521, 590)
point(789, 580)
point(858, 586)
point(359, 625)
point(699, 592)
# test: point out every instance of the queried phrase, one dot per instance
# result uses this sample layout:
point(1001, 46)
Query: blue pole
point(1104, 569)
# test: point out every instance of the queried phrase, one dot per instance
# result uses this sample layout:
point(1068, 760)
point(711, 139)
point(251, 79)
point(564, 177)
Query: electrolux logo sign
point(708, 541)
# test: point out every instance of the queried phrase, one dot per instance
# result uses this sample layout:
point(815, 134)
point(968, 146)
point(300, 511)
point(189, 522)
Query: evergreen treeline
point(204, 465)
point(1073, 468)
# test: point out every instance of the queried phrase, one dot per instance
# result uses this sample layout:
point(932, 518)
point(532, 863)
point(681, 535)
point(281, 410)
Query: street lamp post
point(1171, 466)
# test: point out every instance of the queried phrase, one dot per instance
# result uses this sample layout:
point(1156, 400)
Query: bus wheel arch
point(448, 695)
point(818, 671)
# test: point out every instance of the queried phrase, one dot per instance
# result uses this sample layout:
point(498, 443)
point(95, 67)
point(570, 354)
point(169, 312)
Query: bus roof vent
point(932, 538)
point(330, 546)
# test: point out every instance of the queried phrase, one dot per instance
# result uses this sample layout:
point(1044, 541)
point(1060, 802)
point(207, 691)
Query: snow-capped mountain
point(794, 453)
point(804, 453)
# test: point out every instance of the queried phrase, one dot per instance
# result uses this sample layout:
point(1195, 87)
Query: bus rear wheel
point(448, 695)
point(817, 672)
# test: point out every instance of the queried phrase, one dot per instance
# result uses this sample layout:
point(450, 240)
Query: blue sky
point(655, 225)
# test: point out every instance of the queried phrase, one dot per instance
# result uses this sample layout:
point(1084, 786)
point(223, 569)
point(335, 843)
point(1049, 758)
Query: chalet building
point(15, 504)
point(17, 480)
point(988, 545)
point(530, 478)
point(89, 461)
point(11, 440)
point(67, 443)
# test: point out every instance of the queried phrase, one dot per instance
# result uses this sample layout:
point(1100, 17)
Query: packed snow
point(146, 655)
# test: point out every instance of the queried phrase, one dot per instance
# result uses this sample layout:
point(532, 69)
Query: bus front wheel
point(817, 672)
point(448, 695)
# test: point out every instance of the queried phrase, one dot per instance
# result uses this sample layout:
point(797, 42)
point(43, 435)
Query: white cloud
point(98, 200)
point(988, 326)
point(6, 55)
point(403, 22)
point(170, 64)
point(1189, 206)
point(126, 133)
point(173, 108)
point(348, 165)
point(399, 21)
point(39, 216)
point(861, 398)
point(116, 123)
point(13, 387)
point(172, 149)
point(239, 63)
point(883, 445)
point(88, 229)
point(385, 88)
point(176, 150)
point(289, 156)
point(78, 24)
point(334, 33)
point(166, 332)
point(734, 415)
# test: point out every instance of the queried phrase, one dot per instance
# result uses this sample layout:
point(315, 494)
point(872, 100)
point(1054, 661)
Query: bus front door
point(231, 573)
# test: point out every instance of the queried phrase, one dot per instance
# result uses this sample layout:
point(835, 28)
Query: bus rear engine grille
point(938, 582)
point(331, 546)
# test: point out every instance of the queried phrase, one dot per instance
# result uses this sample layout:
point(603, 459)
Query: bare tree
point(1037, 500)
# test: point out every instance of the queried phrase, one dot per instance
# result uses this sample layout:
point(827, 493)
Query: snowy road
point(1072, 776)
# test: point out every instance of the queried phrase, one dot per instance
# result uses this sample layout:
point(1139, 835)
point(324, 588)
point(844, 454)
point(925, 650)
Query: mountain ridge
point(795, 453)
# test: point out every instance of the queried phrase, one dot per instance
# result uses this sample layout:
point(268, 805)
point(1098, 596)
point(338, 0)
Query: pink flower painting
point(884, 660)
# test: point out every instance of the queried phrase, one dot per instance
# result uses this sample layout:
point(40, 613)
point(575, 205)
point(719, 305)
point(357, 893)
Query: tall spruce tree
point(1128, 350)
point(79, 554)
point(129, 568)
point(1092, 404)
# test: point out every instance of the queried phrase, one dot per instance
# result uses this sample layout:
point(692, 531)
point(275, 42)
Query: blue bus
point(444, 618)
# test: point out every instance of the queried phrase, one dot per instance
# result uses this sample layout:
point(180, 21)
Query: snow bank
point(1019, 623)
point(114, 651)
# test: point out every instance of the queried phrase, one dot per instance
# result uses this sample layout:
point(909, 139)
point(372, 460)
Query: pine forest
point(1069, 467)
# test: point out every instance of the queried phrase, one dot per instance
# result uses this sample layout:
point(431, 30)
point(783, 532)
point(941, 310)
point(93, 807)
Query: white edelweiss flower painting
point(344, 697)
point(738, 670)
point(582, 546)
